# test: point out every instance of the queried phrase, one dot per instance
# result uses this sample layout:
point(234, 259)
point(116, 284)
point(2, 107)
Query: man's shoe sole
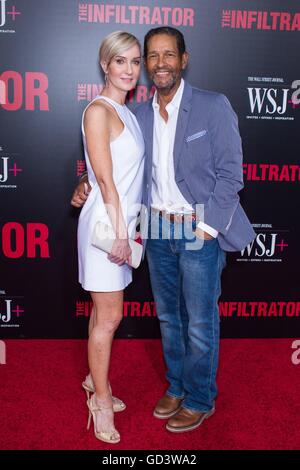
point(166, 416)
point(192, 426)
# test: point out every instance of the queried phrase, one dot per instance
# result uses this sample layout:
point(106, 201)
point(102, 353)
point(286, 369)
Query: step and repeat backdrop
point(49, 72)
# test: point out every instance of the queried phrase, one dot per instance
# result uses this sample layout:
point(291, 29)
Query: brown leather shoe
point(187, 420)
point(167, 406)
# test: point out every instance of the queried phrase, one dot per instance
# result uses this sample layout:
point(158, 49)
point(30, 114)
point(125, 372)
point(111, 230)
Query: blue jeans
point(186, 288)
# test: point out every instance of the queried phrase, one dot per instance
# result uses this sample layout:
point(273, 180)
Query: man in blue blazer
point(193, 157)
point(193, 174)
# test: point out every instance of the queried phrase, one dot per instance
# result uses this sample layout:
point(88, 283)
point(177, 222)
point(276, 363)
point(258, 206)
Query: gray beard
point(166, 87)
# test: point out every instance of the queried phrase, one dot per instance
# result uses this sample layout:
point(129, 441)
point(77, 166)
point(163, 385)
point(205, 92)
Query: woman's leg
point(107, 314)
point(91, 321)
point(88, 379)
point(118, 404)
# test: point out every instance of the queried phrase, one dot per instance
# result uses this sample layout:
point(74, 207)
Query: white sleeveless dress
point(96, 272)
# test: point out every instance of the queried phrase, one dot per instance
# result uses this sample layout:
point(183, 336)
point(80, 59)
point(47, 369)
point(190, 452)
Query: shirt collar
point(175, 101)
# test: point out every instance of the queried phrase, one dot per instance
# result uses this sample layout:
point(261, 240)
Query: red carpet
point(42, 405)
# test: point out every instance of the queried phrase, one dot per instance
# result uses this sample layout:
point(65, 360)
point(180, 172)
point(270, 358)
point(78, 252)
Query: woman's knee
point(111, 324)
point(108, 324)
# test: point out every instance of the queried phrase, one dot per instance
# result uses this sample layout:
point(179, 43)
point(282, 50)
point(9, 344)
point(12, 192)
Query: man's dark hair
point(170, 32)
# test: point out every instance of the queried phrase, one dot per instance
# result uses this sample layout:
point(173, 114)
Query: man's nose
point(161, 60)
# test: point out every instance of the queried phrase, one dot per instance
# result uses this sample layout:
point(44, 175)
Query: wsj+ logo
point(6, 317)
point(14, 13)
point(4, 170)
point(6, 314)
point(264, 245)
point(272, 100)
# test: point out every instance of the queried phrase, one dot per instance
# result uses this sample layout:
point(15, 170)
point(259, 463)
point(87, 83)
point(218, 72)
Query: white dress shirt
point(166, 195)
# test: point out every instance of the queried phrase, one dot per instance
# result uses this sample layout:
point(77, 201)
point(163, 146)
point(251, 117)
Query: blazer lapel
point(182, 122)
point(149, 139)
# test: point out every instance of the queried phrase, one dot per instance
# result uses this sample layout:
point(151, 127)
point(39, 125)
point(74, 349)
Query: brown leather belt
point(175, 217)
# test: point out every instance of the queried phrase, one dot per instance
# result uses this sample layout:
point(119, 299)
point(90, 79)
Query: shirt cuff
point(208, 229)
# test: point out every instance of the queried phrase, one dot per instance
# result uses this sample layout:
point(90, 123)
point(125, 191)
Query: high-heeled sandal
point(112, 437)
point(118, 404)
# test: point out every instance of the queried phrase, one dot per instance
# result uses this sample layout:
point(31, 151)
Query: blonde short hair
point(115, 44)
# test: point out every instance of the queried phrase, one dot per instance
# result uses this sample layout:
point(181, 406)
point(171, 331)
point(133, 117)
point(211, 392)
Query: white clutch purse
point(104, 236)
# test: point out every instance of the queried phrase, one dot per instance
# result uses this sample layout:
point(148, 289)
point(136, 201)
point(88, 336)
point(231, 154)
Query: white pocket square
point(196, 136)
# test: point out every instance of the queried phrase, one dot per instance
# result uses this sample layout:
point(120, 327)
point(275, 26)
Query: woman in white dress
point(114, 152)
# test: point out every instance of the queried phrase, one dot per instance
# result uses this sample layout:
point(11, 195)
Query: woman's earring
point(106, 79)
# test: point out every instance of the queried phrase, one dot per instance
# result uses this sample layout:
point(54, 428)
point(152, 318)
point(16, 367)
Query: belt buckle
point(173, 217)
point(179, 218)
point(170, 216)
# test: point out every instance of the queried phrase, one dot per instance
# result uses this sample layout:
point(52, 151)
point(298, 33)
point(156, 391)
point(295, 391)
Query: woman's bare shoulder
point(98, 108)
